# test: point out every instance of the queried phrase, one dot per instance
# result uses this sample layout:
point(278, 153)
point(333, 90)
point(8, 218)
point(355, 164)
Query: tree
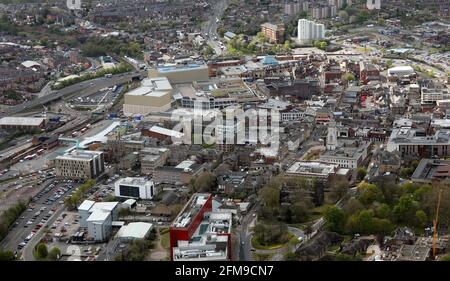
point(6, 255)
point(334, 219)
point(205, 182)
point(343, 15)
point(421, 218)
point(405, 211)
point(338, 190)
point(270, 234)
point(353, 206)
point(348, 77)
point(270, 196)
point(54, 254)
point(208, 51)
point(361, 173)
point(41, 250)
point(369, 193)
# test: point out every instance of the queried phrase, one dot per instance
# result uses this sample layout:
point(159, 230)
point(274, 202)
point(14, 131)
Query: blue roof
point(270, 60)
point(178, 67)
point(229, 34)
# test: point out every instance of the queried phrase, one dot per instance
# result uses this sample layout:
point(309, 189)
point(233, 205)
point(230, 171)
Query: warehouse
point(22, 123)
point(134, 230)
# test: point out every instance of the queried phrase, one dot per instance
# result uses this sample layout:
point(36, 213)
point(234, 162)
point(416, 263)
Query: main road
point(93, 86)
point(210, 27)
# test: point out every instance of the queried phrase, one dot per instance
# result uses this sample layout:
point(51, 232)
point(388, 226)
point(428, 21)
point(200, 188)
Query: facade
point(137, 188)
point(155, 95)
point(80, 164)
point(432, 96)
point(22, 123)
point(275, 33)
point(198, 234)
point(309, 31)
point(373, 4)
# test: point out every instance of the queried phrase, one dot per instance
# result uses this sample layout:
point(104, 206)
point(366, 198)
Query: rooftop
point(137, 230)
point(191, 210)
point(312, 168)
point(21, 121)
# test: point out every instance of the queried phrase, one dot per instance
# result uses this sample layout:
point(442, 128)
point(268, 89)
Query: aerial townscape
point(224, 130)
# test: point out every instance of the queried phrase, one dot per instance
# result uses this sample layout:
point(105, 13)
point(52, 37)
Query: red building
point(368, 72)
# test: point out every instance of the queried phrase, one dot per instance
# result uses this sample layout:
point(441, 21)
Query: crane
point(435, 222)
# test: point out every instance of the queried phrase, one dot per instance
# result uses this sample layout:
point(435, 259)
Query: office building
point(80, 164)
point(152, 158)
point(137, 188)
point(154, 95)
point(198, 234)
point(309, 31)
point(415, 142)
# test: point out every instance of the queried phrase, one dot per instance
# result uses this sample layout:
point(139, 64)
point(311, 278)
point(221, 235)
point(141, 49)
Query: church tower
point(332, 136)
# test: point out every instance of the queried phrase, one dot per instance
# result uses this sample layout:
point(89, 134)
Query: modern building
point(198, 234)
point(154, 95)
point(400, 71)
point(180, 174)
point(22, 123)
point(309, 31)
point(137, 188)
point(80, 164)
point(273, 32)
point(183, 73)
point(415, 142)
point(432, 96)
point(97, 217)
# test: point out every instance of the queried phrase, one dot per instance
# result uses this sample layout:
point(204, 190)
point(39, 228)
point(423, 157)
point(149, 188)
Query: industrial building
point(134, 230)
point(180, 174)
point(152, 158)
point(80, 164)
point(198, 234)
point(137, 188)
point(154, 95)
point(22, 123)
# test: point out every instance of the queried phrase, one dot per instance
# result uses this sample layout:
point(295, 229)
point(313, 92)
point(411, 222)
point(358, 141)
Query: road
point(210, 28)
point(245, 244)
point(93, 86)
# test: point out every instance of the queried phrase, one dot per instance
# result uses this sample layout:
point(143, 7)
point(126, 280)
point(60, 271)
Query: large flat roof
point(21, 121)
point(191, 210)
point(138, 230)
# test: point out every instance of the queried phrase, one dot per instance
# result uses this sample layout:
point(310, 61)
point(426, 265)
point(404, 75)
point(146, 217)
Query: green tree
point(270, 196)
point(369, 193)
point(6, 255)
point(334, 219)
point(348, 77)
point(361, 173)
point(54, 254)
point(421, 218)
point(41, 250)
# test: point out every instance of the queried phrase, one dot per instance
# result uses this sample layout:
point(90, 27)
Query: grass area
point(262, 257)
point(317, 212)
point(165, 240)
point(258, 246)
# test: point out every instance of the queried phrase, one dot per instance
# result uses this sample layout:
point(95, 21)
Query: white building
point(373, 4)
point(97, 217)
point(134, 230)
point(400, 71)
point(309, 31)
point(138, 188)
point(431, 96)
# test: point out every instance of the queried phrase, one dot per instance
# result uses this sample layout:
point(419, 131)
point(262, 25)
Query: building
point(80, 164)
point(350, 156)
point(373, 4)
point(400, 72)
point(273, 32)
point(180, 174)
point(183, 73)
point(137, 188)
point(161, 133)
point(416, 143)
point(309, 31)
point(97, 217)
point(155, 95)
point(432, 96)
point(198, 234)
point(152, 158)
point(313, 170)
point(134, 230)
point(368, 72)
point(22, 123)
point(431, 170)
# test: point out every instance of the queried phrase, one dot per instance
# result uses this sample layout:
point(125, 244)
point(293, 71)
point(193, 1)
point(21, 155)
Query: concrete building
point(309, 31)
point(137, 188)
point(80, 164)
point(180, 174)
point(97, 217)
point(432, 96)
point(373, 4)
point(177, 74)
point(273, 32)
point(155, 95)
point(151, 158)
point(400, 71)
point(22, 123)
point(198, 234)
